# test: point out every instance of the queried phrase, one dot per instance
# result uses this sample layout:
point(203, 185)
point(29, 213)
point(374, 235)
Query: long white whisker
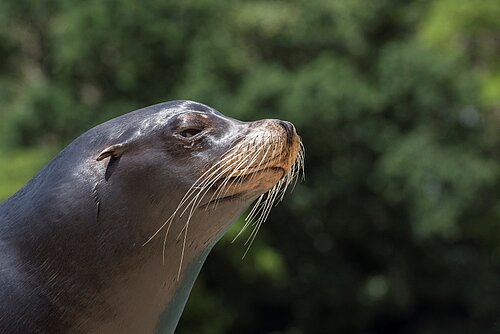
point(189, 192)
point(230, 180)
point(247, 219)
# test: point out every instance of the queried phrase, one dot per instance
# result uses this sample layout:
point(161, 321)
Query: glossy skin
point(72, 252)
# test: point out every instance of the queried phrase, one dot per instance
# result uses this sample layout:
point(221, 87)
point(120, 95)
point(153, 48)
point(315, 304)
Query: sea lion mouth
point(239, 186)
point(244, 178)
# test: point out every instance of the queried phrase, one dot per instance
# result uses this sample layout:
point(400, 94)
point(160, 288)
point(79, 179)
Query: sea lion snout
point(269, 156)
point(282, 138)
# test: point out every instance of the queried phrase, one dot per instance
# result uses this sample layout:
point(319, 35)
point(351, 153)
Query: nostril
point(290, 129)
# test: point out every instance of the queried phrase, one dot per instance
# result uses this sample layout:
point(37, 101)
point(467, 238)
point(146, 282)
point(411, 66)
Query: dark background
point(397, 226)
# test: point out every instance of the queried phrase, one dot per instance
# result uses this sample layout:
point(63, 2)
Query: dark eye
point(188, 133)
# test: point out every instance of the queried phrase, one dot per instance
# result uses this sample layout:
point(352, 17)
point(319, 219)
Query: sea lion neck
point(100, 257)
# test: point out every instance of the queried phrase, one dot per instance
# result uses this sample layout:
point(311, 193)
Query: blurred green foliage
point(397, 227)
point(17, 167)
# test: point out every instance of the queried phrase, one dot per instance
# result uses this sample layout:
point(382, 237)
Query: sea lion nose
point(289, 128)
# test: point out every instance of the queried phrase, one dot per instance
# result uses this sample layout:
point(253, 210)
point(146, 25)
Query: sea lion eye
point(188, 133)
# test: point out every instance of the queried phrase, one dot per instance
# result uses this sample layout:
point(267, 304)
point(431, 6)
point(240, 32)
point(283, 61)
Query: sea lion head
point(197, 170)
point(212, 160)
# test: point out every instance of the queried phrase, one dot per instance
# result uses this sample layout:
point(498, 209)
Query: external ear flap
point(125, 141)
point(113, 151)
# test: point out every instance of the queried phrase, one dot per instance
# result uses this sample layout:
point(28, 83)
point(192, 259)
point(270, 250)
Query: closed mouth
point(244, 178)
point(237, 180)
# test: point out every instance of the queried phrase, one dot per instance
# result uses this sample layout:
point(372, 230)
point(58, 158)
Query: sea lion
point(110, 236)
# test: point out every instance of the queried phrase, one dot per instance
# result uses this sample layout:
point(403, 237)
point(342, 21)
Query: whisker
point(184, 198)
point(195, 202)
